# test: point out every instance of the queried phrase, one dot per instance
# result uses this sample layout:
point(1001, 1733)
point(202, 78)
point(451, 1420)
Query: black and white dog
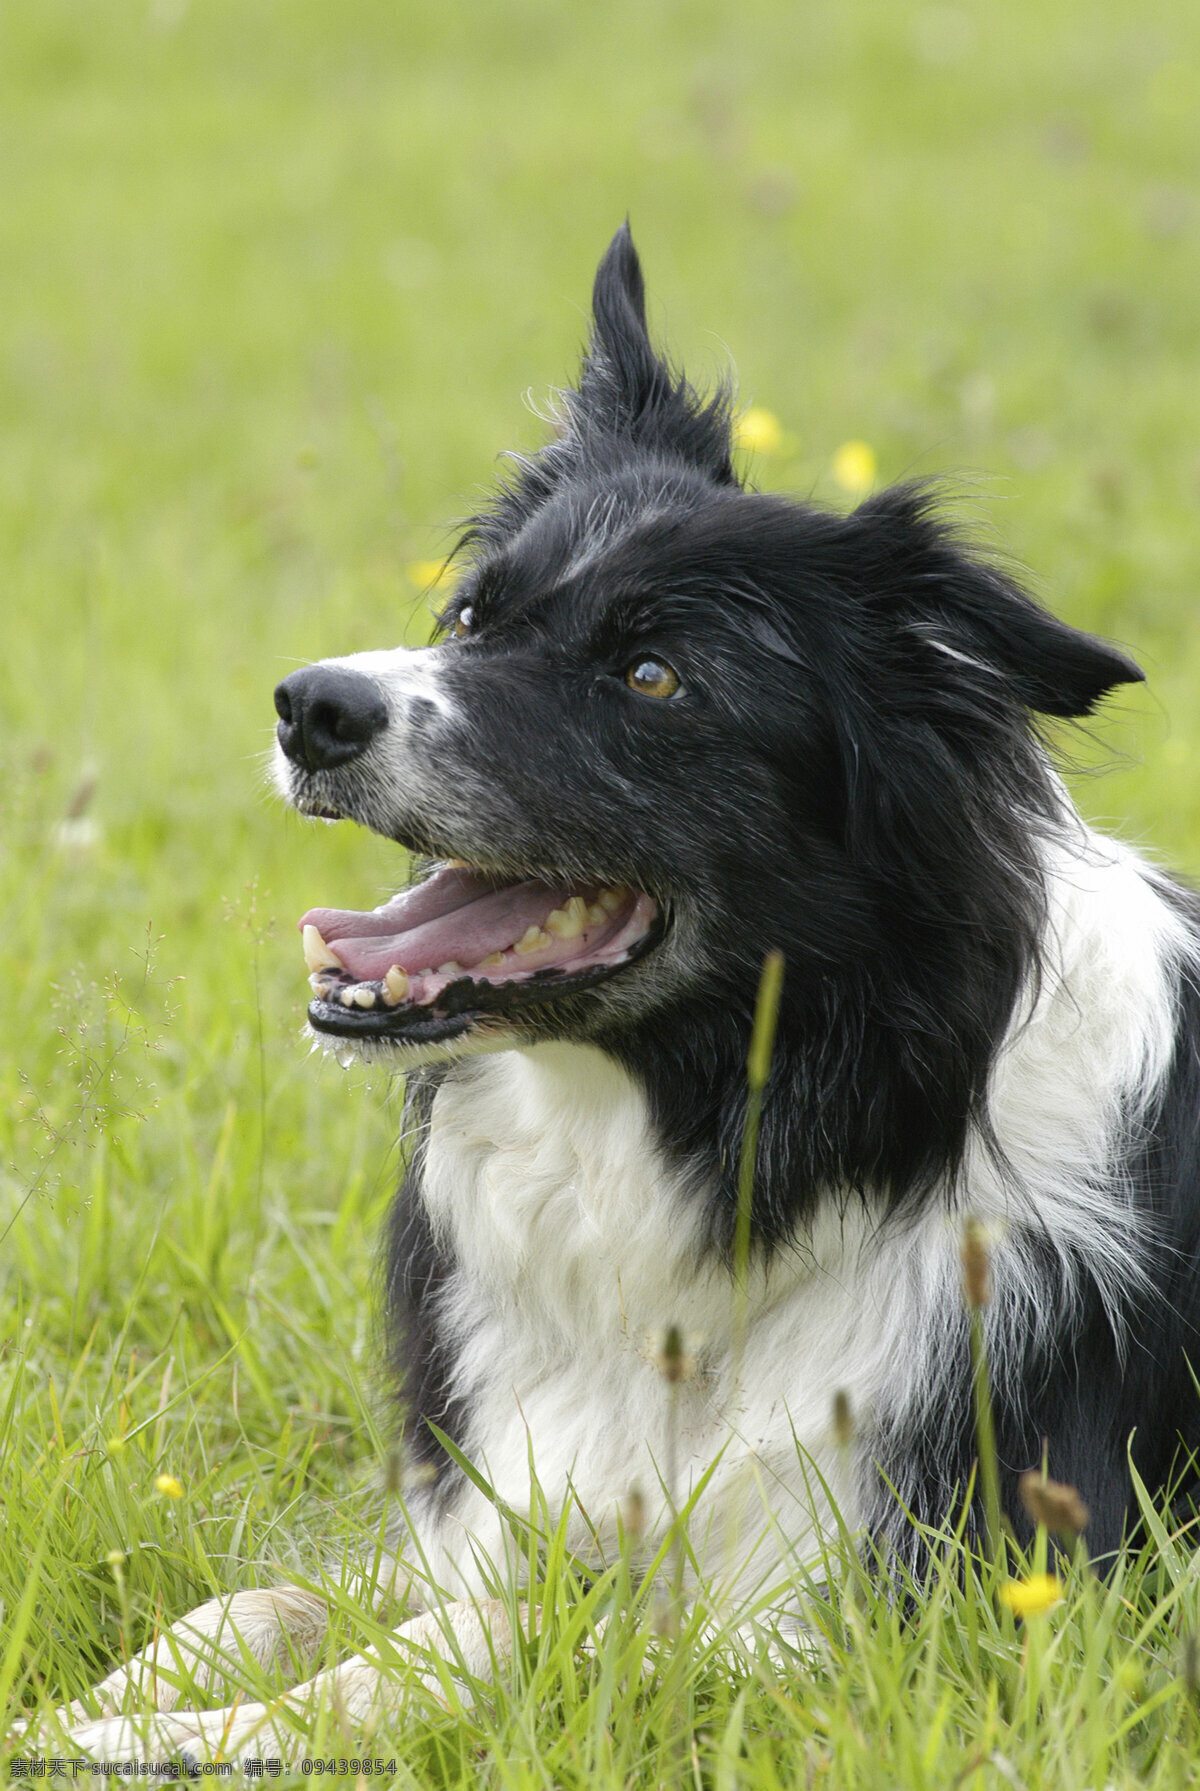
point(671, 725)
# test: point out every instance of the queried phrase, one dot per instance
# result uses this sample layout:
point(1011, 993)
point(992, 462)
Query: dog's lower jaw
point(398, 1057)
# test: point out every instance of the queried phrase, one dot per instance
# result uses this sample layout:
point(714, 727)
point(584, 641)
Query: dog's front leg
point(279, 1629)
point(462, 1640)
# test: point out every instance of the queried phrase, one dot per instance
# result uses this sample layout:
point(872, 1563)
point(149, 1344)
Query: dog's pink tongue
point(441, 893)
point(454, 917)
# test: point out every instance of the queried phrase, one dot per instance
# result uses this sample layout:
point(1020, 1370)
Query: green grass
point(273, 278)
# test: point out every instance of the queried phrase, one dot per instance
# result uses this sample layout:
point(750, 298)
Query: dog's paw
point(186, 1740)
point(114, 1740)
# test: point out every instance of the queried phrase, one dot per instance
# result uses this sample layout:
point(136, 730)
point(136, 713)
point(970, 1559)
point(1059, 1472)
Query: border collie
point(672, 724)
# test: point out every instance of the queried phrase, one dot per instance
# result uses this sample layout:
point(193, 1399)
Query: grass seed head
point(633, 1514)
point(977, 1266)
point(672, 1360)
point(1053, 1504)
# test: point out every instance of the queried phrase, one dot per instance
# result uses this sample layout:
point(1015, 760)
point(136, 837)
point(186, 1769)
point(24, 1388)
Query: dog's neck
point(543, 1177)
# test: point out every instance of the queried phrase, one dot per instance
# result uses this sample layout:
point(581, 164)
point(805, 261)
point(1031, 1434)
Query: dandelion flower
point(168, 1486)
point(1033, 1596)
point(758, 430)
point(854, 467)
point(429, 575)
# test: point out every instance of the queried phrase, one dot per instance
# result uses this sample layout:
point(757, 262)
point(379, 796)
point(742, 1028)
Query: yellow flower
point(854, 467)
point(759, 431)
point(429, 575)
point(168, 1486)
point(1031, 1597)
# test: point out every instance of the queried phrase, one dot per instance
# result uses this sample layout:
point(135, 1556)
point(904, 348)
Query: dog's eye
point(463, 622)
point(650, 677)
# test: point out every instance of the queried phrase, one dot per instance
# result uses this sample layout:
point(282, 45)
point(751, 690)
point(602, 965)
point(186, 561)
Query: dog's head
point(669, 724)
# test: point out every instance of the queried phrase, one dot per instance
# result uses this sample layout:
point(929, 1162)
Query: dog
point(672, 725)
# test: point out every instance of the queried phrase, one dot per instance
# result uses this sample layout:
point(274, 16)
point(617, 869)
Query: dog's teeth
point(611, 900)
point(317, 954)
point(395, 985)
point(568, 921)
point(452, 968)
point(456, 864)
point(491, 961)
point(596, 915)
point(358, 995)
point(534, 940)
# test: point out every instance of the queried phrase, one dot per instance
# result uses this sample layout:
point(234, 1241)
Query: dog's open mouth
point(463, 949)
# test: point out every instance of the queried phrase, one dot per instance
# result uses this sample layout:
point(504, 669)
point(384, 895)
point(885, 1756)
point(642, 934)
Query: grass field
point(274, 276)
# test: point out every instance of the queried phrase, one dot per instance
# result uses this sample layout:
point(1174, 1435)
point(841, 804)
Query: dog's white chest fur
point(577, 1246)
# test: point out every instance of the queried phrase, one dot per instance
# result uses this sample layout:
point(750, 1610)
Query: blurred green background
point(275, 277)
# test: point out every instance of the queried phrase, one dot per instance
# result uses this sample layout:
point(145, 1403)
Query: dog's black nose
point(327, 715)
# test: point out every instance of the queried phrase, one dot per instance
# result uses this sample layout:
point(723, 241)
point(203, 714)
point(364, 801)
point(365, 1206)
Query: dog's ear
point(627, 393)
point(959, 604)
point(626, 398)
